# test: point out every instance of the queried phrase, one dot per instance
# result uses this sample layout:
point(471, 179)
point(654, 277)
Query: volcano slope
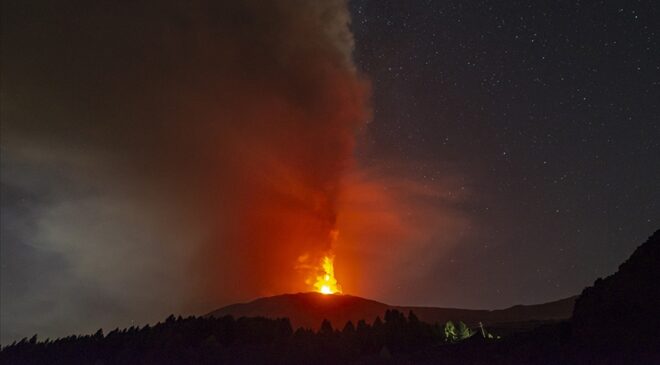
point(308, 310)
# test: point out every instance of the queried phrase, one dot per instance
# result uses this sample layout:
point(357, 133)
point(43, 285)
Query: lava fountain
point(326, 283)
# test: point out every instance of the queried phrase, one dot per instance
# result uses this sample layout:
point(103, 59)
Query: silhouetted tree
point(412, 318)
point(349, 328)
point(362, 327)
point(326, 328)
point(378, 323)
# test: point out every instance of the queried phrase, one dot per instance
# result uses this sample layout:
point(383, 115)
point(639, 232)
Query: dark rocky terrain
point(624, 308)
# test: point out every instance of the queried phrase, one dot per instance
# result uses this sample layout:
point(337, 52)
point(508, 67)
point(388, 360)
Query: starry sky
point(548, 112)
point(166, 158)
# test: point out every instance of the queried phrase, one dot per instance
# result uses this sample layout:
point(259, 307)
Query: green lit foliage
point(450, 332)
point(455, 333)
point(463, 331)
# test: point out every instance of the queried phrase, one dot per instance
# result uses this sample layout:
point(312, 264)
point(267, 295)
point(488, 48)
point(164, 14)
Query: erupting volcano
point(323, 276)
point(326, 283)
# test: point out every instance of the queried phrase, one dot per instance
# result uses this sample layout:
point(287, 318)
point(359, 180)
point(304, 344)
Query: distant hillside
point(309, 309)
point(623, 309)
point(556, 310)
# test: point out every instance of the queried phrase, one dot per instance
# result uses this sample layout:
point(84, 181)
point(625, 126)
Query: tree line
point(256, 340)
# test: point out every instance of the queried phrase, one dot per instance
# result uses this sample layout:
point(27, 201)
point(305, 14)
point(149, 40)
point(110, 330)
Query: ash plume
point(167, 157)
point(194, 150)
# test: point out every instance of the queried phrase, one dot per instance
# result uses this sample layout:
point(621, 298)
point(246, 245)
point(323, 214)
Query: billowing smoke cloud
point(211, 135)
point(167, 156)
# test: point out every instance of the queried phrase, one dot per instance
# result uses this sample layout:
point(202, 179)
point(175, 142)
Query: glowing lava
point(326, 283)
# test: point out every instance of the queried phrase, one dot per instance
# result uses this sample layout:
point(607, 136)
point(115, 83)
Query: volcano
point(308, 310)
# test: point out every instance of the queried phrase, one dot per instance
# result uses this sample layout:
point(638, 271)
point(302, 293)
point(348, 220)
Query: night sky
point(550, 115)
point(165, 158)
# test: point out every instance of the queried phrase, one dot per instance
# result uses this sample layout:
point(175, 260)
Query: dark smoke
point(194, 149)
point(170, 157)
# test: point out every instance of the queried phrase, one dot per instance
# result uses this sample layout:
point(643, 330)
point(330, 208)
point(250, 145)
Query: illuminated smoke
point(225, 127)
point(189, 154)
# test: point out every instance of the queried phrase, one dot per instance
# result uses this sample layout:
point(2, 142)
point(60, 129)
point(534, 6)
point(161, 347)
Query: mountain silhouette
point(623, 309)
point(308, 310)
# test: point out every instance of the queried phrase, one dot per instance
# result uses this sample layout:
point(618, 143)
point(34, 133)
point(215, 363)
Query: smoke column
point(187, 151)
point(171, 157)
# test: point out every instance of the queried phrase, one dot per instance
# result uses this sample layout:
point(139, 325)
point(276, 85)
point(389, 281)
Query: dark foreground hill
point(624, 308)
point(310, 309)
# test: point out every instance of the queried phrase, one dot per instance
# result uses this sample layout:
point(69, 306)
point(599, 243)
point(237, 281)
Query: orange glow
point(326, 283)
